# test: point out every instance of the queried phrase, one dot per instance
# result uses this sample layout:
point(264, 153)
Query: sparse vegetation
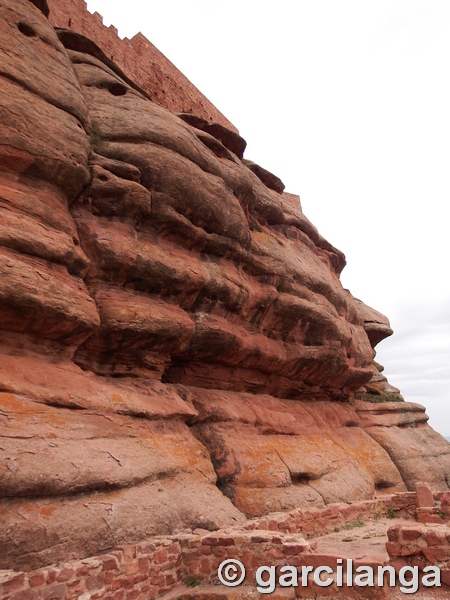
point(96, 137)
point(367, 397)
point(348, 539)
point(441, 513)
point(391, 514)
point(378, 511)
point(354, 524)
point(336, 529)
point(192, 581)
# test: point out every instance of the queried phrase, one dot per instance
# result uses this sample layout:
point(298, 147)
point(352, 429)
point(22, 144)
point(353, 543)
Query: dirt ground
point(367, 540)
point(359, 540)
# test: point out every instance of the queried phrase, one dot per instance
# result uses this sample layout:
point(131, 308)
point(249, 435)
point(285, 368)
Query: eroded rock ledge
point(177, 349)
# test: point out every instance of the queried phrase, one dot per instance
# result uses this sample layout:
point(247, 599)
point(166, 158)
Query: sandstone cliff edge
point(177, 350)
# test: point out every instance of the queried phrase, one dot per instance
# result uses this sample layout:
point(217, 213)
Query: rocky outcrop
point(200, 242)
point(177, 349)
point(274, 455)
point(402, 430)
point(86, 462)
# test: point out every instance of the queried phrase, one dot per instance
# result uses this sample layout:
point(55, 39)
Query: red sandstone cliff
point(177, 349)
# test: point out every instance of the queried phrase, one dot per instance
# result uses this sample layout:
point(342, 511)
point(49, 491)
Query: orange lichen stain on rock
point(47, 511)
point(186, 451)
point(117, 398)
point(22, 406)
point(13, 403)
point(57, 420)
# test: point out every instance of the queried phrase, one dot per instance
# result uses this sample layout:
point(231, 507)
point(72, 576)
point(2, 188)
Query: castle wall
point(139, 59)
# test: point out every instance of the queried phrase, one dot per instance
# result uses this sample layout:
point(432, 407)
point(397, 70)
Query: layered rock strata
point(177, 349)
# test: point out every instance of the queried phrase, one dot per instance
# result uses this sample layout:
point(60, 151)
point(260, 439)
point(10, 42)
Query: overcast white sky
point(348, 102)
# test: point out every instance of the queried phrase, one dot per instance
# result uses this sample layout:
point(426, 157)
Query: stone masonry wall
point(139, 59)
point(427, 542)
point(149, 569)
point(420, 545)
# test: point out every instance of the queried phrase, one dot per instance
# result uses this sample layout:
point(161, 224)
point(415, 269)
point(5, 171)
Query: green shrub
point(192, 581)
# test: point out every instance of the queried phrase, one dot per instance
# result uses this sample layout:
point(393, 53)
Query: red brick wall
point(139, 60)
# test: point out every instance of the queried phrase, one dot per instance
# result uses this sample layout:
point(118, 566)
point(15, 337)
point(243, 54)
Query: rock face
point(401, 429)
point(273, 455)
point(177, 349)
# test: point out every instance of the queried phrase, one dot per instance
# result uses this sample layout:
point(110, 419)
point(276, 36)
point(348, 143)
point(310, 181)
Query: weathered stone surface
point(445, 504)
point(76, 472)
point(176, 346)
point(63, 384)
point(424, 495)
point(378, 389)
point(228, 138)
point(390, 414)
point(401, 428)
point(43, 157)
point(115, 478)
point(272, 181)
point(221, 272)
point(80, 43)
point(422, 545)
point(272, 454)
point(377, 326)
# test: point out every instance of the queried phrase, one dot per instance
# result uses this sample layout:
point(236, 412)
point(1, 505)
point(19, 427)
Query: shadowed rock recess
point(177, 350)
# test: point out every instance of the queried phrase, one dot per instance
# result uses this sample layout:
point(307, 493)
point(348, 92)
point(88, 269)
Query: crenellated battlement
point(139, 59)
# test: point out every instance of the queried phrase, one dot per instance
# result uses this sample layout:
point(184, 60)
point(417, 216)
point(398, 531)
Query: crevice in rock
point(42, 6)
point(48, 99)
point(104, 486)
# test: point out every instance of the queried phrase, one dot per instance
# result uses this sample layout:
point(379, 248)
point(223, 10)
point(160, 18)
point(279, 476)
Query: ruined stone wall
point(151, 568)
point(426, 543)
point(139, 59)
